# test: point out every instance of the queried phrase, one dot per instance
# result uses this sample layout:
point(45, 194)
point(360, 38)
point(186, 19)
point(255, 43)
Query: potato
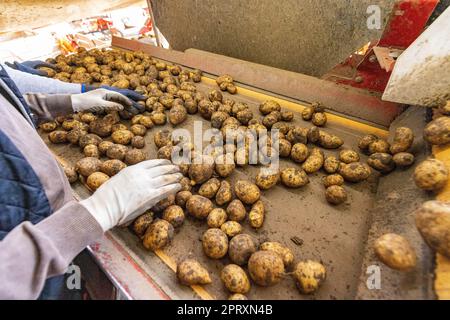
point(165, 152)
point(134, 156)
point(355, 171)
point(206, 109)
point(244, 116)
point(285, 148)
point(395, 252)
point(433, 223)
point(237, 296)
point(224, 78)
point(319, 119)
point(236, 211)
point(71, 173)
point(158, 118)
point(235, 279)
point(90, 138)
point(88, 117)
point(267, 178)
point(403, 140)
point(287, 116)
point(191, 272)
point(444, 108)
point(215, 243)
point(299, 152)
point(201, 169)
point(209, 188)
point(88, 166)
point(182, 197)
point(74, 135)
point(431, 175)
point(138, 142)
point(336, 194)
point(216, 218)
point(272, 118)
point(185, 183)
point(199, 207)
point(379, 146)
point(403, 159)
point(246, 191)
point(307, 113)
point(437, 132)
point(96, 179)
point(137, 130)
point(256, 215)
point(294, 178)
point(331, 164)
point(231, 228)
point(333, 180)
point(215, 95)
point(269, 106)
point(57, 136)
point(104, 146)
point(163, 204)
point(174, 215)
point(177, 115)
point(122, 137)
point(118, 126)
point(348, 156)
point(329, 141)
point(147, 121)
point(100, 127)
point(314, 162)
point(116, 151)
point(382, 162)
point(313, 134)
point(70, 124)
point(162, 138)
point(241, 248)
point(266, 268)
point(365, 141)
point(158, 235)
point(309, 276)
point(217, 119)
point(142, 222)
point(284, 252)
point(48, 126)
point(224, 194)
point(224, 165)
point(91, 150)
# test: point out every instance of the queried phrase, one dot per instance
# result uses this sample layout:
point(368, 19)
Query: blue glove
point(31, 66)
point(133, 95)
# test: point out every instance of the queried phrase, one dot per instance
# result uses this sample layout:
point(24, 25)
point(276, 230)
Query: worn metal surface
point(306, 36)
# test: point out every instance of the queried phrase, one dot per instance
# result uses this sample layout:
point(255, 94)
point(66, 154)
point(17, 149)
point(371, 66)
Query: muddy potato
point(336, 194)
point(237, 296)
point(285, 148)
point(382, 162)
point(158, 235)
point(100, 127)
point(70, 124)
point(71, 173)
point(437, 132)
point(266, 268)
point(331, 164)
point(309, 276)
point(57, 136)
point(287, 116)
point(174, 215)
point(116, 151)
point(272, 118)
point(165, 152)
point(182, 197)
point(136, 129)
point(379, 146)
point(163, 204)
point(191, 272)
point(148, 122)
point(403, 140)
point(236, 210)
point(177, 115)
point(431, 175)
point(403, 159)
point(395, 252)
point(241, 247)
point(112, 167)
point(118, 126)
point(96, 179)
point(74, 135)
point(246, 191)
point(104, 146)
point(299, 152)
point(267, 178)
point(256, 215)
point(294, 178)
point(215, 243)
point(314, 162)
point(158, 118)
point(231, 228)
point(329, 141)
point(244, 116)
point(365, 141)
point(88, 166)
point(225, 165)
point(142, 222)
point(216, 218)
point(224, 78)
point(269, 106)
point(91, 150)
point(162, 138)
point(433, 223)
point(201, 171)
point(319, 119)
point(313, 134)
point(348, 156)
point(199, 207)
point(88, 117)
point(444, 108)
point(218, 118)
point(333, 180)
point(215, 95)
point(355, 171)
point(48, 126)
point(224, 194)
point(307, 113)
point(185, 182)
point(138, 142)
point(284, 252)
point(235, 279)
point(122, 137)
point(209, 188)
point(89, 138)
point(133, 156)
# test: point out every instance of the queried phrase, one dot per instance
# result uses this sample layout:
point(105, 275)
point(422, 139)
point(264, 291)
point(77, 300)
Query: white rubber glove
point(99, 100)
point(132, 191)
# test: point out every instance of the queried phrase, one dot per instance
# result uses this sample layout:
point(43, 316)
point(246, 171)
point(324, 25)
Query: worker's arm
point(30, 254)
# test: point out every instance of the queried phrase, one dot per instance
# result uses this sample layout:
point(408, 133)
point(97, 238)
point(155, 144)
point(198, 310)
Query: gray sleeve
point(30, 83)
point(49, 106)
point(30, 254)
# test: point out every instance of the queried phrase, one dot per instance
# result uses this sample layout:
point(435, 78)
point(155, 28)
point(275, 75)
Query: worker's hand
point(132, 191)
point(100, 100)
point(131, 94)
point(31, 66)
